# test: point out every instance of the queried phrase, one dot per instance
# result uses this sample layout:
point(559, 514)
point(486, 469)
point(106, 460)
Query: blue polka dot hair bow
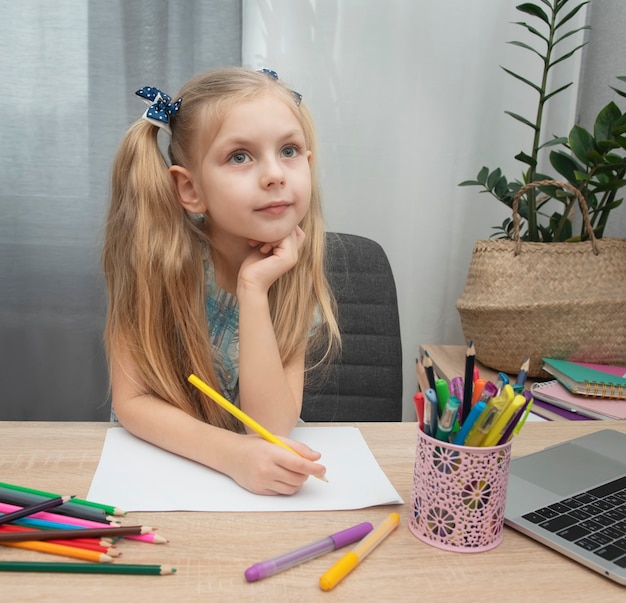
point(161, 107)
point(271, 73)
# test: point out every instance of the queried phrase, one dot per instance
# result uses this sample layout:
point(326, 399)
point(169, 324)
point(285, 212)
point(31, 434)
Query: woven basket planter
point(559, 300)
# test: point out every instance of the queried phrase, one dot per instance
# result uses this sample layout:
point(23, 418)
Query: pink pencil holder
point(459, 494)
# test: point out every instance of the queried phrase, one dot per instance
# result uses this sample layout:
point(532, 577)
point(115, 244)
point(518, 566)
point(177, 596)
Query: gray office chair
point(365, 383)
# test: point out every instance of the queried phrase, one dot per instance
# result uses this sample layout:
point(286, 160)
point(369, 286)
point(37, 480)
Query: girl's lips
point(275, 208)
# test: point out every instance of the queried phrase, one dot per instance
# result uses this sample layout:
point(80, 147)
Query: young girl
point(214, 266)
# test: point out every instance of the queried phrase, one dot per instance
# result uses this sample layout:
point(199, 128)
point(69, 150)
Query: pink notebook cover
point(618, 371)
point(598, 408)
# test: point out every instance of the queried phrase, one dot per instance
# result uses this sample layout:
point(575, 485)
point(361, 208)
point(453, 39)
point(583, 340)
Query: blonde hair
point(154, 252)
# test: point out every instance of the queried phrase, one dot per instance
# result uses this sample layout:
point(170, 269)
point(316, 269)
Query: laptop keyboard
point(594, 520)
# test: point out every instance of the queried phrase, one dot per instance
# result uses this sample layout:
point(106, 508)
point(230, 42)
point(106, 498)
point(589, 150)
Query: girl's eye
point(290, 151)
point(239, 158)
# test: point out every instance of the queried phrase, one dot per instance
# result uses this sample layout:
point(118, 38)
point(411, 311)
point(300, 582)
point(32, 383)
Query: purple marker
point(263, 569)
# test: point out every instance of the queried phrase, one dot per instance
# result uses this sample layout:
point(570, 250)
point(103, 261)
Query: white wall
point(409, 100)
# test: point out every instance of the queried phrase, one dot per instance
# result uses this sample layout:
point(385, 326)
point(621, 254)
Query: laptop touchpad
point(567, 468)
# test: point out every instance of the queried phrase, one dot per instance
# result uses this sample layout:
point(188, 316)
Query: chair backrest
point(365, 383)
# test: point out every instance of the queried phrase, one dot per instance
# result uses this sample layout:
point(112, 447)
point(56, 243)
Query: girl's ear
point(187, 193)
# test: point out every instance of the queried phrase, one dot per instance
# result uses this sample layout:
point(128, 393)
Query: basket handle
point(565, 185)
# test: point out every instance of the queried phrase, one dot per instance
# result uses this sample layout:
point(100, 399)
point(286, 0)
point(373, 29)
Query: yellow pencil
point(63, 550)
point(242, 416)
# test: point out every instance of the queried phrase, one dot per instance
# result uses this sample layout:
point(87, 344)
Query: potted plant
point(554, 296)
point(593, 162)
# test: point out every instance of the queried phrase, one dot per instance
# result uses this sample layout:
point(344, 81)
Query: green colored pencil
point(110, 510)
point(86, 568)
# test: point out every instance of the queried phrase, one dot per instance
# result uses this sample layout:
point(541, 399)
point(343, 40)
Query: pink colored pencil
point(56, 518)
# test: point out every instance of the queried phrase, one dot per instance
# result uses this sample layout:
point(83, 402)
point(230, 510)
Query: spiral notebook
point(557, 395)
point(586, 381)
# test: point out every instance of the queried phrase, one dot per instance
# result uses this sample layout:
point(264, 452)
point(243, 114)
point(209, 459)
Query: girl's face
point(255, 181)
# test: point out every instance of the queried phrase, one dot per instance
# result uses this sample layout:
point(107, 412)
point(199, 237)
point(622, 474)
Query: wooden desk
point(212, 550)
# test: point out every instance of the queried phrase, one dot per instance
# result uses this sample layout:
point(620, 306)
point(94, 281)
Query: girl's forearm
point(268, 391)
point(172, 429)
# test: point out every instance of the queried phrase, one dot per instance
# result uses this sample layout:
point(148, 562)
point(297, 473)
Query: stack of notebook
point(583, 390)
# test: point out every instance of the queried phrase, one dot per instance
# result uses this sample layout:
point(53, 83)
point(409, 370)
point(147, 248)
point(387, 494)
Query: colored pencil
point(430, 371)
point(108, 509)
point(86, 568)
point(24, 499)
point(30, 535)
point(32, 509)
point(523, 373)
point(151, 538)
point(468, 383)
point(52, 520)
point(62, 550)
point(239, 414)
point(92, 544)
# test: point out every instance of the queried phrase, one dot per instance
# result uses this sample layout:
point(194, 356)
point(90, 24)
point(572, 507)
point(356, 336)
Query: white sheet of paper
point(136, 476)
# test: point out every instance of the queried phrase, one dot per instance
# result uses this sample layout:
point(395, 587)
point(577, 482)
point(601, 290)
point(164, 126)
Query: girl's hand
point(265, 468)
point(268, 261)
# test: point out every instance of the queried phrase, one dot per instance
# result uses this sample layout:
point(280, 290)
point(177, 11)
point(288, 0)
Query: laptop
point(572, 498)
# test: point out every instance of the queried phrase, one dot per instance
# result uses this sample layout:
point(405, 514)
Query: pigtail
point(154, 271)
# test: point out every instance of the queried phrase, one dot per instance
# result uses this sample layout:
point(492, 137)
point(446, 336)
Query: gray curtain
point(603, 61)
point(68, 72)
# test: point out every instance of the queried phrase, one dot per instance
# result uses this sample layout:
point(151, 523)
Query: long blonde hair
point(154, 251)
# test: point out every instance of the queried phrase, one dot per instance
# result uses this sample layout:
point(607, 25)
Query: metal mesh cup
point(459, 494)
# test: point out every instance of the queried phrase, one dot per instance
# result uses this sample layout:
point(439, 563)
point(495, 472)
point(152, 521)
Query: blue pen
point(477, 409)
point(446, 422)
point(431, 410)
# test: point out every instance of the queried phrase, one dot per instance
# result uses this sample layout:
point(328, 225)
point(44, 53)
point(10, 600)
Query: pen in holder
point(459, 494)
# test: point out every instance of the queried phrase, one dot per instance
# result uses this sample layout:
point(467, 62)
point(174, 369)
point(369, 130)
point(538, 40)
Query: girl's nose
point(272, 174)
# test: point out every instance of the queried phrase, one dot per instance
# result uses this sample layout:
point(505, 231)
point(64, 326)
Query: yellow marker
point(350, 560)
point(242, 416)
point(486, 420)
point(508, 392)
point(495, 433)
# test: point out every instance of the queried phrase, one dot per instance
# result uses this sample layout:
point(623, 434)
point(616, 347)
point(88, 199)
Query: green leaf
point(469, 183)
point(620, 92)
point(501, 188)
point(613, 185)
point(569, 16)
point(532, 30)
point(527, 47)
point(607, 145)
point(522, 79)
point(581, 143)
point(570, 33)
point(522, 119)
point(553, 142)
point(482, 176)
point(493, 178)
point(581, 176)
point(564, 165)
point(547, 96)
point(534, 10)
point(568, 55)
point(524, 158)
point(606, 121)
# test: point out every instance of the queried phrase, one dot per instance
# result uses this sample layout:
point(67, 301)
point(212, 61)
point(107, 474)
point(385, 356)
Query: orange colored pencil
point(88, 546)
point(63, 551)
